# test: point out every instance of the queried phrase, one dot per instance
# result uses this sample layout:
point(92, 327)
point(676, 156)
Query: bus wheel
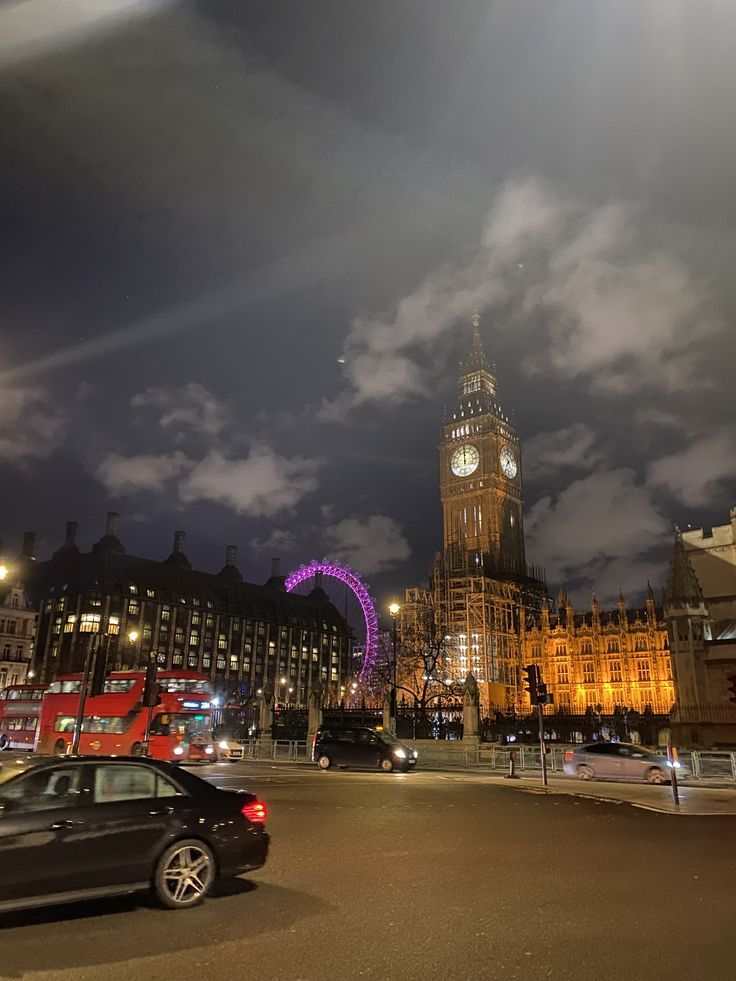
point(60, 747)
point(4, 742)
point(136, 749)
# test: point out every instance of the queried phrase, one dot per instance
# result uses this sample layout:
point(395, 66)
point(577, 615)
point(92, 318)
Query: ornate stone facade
point(17, 618)
point(604, 660)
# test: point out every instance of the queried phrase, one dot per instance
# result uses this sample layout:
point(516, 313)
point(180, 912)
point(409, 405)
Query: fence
point(702, 766)
point(559, 727)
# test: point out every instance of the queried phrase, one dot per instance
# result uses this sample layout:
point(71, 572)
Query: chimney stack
point(29, 545)
point(110, 541)
point(177, 557)
point(275, 568)
point(230, 570)
point(71, 533)
point(112, 523)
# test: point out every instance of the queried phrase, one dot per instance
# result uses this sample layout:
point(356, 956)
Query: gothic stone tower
point(481, 589)
point(480, 476)
point(688, 624)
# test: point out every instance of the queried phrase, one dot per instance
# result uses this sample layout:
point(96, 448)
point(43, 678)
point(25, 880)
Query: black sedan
point(84, 827)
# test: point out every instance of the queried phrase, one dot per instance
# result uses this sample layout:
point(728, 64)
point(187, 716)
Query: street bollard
point(512, 775)
point(672, 757)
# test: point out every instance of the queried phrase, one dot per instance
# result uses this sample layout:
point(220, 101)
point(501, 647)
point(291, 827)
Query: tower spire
point(477, 360)
point(682, 583)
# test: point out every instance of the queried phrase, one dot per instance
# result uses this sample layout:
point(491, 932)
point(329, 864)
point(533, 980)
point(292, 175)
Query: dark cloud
point(206, 204)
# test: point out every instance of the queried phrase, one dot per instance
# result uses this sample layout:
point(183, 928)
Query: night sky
point(242, 242)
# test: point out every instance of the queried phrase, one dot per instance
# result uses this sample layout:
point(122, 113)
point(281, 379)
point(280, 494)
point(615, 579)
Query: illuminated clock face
point(508, 463)
point(465, 460)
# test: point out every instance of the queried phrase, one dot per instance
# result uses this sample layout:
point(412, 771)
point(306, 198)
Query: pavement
point(421, 876)
point(693, 801)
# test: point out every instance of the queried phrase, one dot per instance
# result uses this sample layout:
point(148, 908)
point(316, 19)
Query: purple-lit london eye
point(358, 589)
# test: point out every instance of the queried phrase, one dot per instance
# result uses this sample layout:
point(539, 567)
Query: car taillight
point(568, 755)
point(255, 811)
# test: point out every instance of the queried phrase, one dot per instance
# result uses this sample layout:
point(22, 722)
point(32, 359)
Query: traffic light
point(542, 695)
point(732, 687)
point(99, 671)
point(531, 682)
point(151, 689)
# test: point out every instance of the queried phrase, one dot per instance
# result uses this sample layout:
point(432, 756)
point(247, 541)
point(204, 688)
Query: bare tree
point(423, 668)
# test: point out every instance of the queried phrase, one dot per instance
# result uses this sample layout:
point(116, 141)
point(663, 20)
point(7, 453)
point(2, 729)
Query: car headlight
point(415, 755)
point(676, 764)
point(208, 749)
point(224, 745)
point(400, 753)
point(178, 751)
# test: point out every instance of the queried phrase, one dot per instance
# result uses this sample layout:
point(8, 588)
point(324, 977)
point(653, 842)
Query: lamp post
point(394, 609)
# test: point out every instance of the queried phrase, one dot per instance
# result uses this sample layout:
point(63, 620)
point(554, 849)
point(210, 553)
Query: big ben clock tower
point(481, 594)
point(480, 477)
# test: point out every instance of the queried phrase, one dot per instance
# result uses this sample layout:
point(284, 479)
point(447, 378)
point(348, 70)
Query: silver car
point(619, 761)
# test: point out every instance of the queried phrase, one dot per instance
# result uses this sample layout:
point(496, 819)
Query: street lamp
point(3, 572)
point(394, 609)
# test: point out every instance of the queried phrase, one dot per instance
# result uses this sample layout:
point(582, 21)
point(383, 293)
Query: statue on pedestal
point(471, 709)
point(265, 712)
point(316, 704)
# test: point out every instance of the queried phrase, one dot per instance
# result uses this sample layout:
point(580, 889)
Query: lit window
point(90, 623)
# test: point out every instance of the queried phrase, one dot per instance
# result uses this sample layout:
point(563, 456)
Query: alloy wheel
point(655, 775)
point(187, 875)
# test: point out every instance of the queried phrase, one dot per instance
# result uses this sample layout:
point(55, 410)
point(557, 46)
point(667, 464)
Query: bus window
point(118, 685)
point(94, 723)
point(185, 684)
point(16, 723)
point(65, 688)
point(106, 723)
point(183, 725)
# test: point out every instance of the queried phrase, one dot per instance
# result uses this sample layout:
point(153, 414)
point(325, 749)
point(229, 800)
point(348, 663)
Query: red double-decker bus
point(20, 708)
point(114, 723)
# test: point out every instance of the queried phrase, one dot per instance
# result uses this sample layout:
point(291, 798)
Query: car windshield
point(388, 738)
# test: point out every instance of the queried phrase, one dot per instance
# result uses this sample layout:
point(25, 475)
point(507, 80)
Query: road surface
point(421, 876)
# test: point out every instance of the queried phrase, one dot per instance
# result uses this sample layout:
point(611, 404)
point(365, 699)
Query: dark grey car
point(619, 761)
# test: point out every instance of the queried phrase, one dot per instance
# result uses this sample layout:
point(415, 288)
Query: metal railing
point(702, 765)
point(276, 749)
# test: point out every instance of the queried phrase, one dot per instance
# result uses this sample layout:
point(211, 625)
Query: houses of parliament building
point(492, 609)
